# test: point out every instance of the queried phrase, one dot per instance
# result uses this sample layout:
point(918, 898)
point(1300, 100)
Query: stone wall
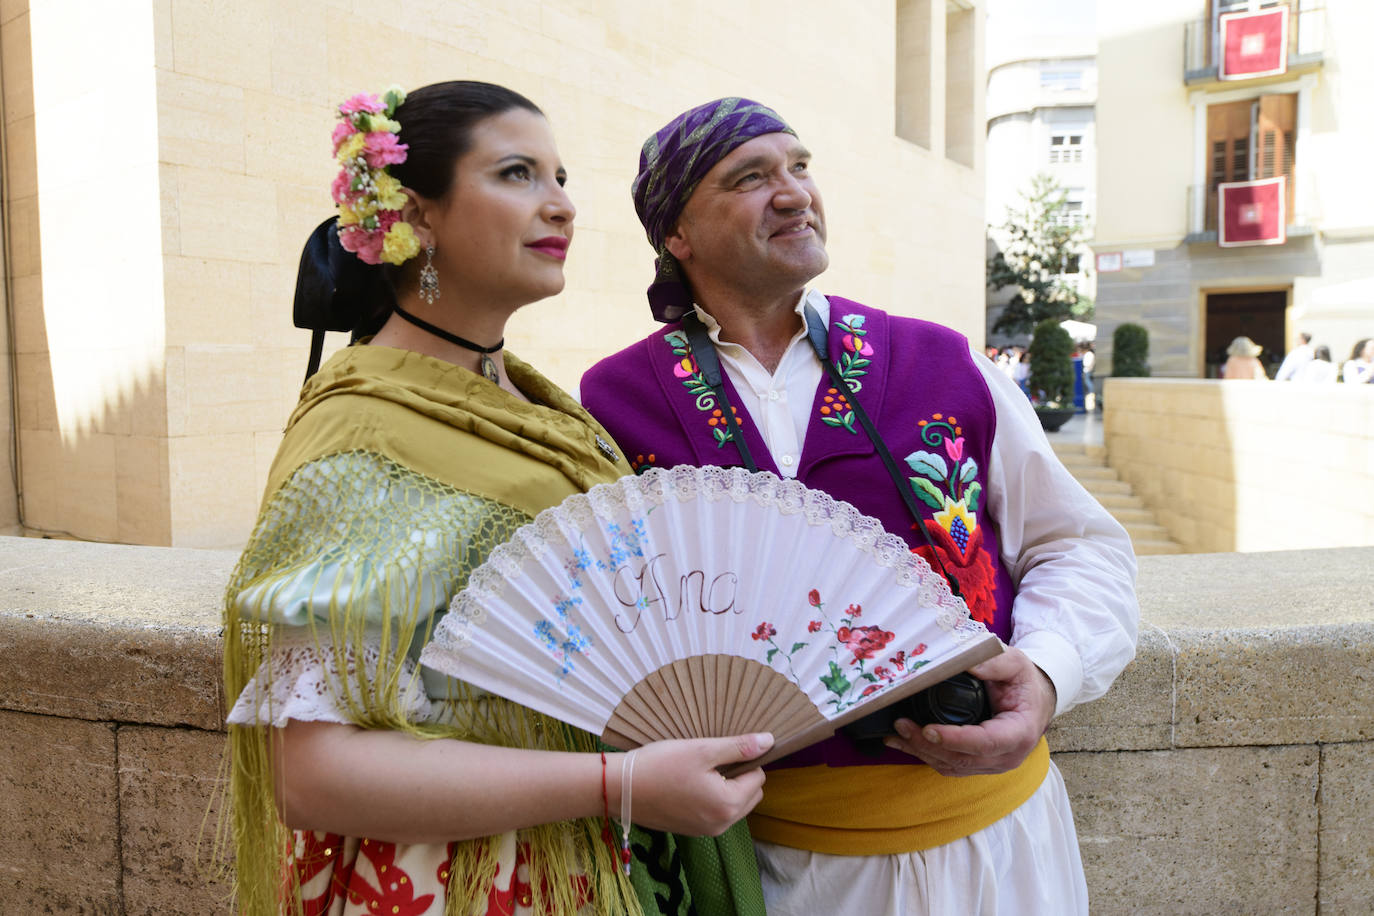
point(1245, 465)
point(1229, 770)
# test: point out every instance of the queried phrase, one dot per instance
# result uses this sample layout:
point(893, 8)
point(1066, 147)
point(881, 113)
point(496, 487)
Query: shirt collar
point(811, 297)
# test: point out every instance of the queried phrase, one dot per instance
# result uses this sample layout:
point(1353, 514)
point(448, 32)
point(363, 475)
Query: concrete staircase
point(1088, 463)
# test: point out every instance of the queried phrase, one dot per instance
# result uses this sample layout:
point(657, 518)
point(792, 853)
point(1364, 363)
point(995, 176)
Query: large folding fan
point(699, 602)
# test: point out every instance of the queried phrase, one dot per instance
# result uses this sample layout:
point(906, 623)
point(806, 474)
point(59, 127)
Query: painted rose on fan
point(765, 631)
point(864, 642)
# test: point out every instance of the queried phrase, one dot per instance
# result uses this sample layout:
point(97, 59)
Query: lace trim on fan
point(303, 682)
point(686, 483)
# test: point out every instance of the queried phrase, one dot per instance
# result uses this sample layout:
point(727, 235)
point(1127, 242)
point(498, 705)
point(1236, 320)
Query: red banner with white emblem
point(1252, 213)
point(1253, 44)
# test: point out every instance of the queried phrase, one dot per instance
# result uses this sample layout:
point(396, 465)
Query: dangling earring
point(429, 278)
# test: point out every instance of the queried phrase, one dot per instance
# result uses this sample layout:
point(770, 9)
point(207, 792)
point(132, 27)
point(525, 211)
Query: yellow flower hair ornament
point(369, 198)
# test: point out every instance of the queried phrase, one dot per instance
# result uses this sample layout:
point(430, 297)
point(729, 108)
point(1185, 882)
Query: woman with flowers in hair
point(361, 783)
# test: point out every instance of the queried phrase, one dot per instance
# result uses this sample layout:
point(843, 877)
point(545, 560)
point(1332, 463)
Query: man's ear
point(419, 212)
point(677, 244)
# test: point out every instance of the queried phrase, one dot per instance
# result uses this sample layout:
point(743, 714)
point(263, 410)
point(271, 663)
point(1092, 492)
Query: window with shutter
point(1276, 127)
point(1228, 140)
point(1249, 139)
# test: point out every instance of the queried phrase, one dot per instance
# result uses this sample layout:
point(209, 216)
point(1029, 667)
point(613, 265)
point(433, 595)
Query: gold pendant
point(489, 370)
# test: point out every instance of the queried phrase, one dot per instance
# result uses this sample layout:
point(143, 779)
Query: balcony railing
point(1202, 215)
point(1306, 42)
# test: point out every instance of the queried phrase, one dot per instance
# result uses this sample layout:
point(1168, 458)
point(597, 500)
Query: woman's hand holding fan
point(678, 785)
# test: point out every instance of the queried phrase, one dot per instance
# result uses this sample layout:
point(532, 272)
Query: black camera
point(961, 700)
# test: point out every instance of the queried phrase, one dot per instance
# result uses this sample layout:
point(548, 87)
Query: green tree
point(1051, 365)
point(1041, 245)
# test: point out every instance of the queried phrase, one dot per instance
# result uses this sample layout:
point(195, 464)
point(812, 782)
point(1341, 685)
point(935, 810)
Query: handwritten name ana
point(641, 590)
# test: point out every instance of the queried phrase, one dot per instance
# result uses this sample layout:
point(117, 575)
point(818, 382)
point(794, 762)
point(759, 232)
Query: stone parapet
point(1228, 771)
point(1247, 465)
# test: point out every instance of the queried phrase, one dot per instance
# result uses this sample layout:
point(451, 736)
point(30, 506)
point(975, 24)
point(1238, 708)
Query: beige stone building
point(1176, 119)
point(165, 160)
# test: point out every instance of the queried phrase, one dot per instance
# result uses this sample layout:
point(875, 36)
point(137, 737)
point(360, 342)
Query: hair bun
point(334, 290)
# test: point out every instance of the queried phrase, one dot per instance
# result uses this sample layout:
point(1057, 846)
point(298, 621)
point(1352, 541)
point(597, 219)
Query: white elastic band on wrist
point(627, 773)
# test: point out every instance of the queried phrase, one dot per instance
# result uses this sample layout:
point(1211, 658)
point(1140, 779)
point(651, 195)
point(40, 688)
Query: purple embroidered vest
point(918, 383)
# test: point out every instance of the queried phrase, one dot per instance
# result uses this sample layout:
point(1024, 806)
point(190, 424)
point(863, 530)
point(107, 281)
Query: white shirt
point(1075, 613)
point(1296, 359)
point(1315, 370)
point(1356, 370)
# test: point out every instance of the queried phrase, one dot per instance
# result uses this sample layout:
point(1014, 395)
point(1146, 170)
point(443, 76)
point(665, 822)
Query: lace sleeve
point(303, 682)
point(359, 531)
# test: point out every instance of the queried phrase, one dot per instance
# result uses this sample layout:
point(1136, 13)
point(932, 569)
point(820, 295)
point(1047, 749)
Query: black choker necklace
point(487, 363)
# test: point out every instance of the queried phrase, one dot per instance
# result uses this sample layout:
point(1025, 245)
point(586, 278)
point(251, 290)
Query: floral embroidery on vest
point(947, 483)
point(852, 364)
point(686, 369)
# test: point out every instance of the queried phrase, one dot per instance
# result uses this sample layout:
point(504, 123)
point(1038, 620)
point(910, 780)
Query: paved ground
point(1084, 428)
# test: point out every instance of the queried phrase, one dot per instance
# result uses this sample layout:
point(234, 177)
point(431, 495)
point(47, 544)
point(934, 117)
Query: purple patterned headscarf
point(672, 164)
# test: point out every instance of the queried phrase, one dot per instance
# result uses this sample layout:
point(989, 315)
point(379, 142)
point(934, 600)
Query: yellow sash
point(882, 810)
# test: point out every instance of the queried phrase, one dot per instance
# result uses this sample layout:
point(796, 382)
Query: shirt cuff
point(1056, 656)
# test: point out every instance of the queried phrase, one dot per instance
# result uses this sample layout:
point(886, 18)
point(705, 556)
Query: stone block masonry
point(1230, 769)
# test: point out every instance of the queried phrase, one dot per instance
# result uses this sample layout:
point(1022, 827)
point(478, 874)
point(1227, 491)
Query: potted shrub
point(1051, 374)
point(1130, 351)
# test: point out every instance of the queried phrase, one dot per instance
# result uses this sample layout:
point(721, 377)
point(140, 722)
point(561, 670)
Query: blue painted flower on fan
point(563, 604)
point(625, 545)
point(562, 650)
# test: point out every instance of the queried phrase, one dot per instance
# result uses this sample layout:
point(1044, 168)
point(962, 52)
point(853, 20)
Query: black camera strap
point(818, 335)
point(704, 352)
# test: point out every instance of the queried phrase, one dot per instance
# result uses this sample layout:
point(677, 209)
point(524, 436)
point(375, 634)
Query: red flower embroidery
point(882, 672)
point(972, 567)
point(919, 649)
point(864, 642)
point(396, 894)
point(871, 688)
point(814, 597)
point(765, 631)
point(854, 610)
point(813, 627)
point(319, 852)
point(899, 660)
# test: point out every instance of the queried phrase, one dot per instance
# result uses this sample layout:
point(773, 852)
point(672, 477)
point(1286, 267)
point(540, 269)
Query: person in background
point(1360, 366)
point(1296, 358)
point(1089, 363)
point(1318, 369)
point(1243, 361)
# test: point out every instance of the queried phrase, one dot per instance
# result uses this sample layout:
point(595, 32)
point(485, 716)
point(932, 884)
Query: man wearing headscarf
point(946, 818)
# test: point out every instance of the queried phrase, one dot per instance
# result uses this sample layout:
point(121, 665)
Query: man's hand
point(1023, 701)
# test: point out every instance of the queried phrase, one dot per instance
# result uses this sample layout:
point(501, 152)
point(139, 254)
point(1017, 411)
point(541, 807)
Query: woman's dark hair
point(1322, 352)
point(335, 291)
point(1359, 348)
point(436, 123)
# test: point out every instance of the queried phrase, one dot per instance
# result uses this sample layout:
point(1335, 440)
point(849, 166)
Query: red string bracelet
point(606, 833)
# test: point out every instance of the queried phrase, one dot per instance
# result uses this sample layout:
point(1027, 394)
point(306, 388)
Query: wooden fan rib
point(661, 693)
point(754, 681)
point(704, 695)
point(682, 677)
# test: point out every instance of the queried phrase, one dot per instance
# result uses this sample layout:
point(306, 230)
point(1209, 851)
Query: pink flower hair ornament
point(369, 198)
